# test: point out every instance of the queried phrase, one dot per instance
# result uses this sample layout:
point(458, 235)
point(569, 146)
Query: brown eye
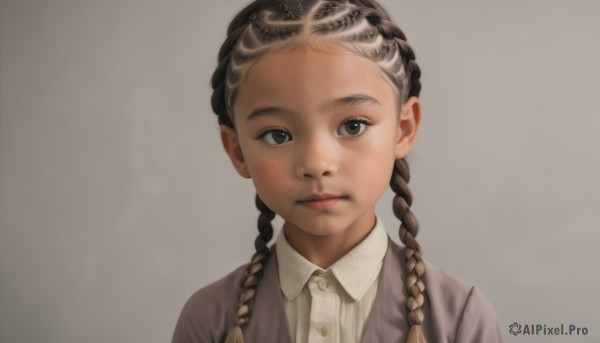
point(352, 127)
point(275, 137)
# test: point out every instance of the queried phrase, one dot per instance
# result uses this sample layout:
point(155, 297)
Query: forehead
point(316, 52)
point(311, 72)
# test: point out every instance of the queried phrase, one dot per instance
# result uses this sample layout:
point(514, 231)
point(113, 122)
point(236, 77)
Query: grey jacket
point(454, 311)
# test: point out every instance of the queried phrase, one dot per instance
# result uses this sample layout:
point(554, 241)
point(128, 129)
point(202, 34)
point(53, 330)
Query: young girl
point(318, 104)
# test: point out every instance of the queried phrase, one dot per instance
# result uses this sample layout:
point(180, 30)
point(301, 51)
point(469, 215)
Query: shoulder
point(454, 310)
point(440, 285)
point(461, 307)
point(210, 310)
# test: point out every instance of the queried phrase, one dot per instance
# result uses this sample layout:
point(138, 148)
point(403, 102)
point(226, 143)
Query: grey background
point(117, 202)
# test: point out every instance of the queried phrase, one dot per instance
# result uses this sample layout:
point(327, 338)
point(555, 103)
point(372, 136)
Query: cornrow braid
point(237, 34)
point(271, 32)
point(293, 9)
point(369, 31)
point(342, 23)
point(300, 8)
point(264, 29)
point(329, 8)
point(381, 20)
point(415, 267)
point(412, 67)
point(365, 36)
point(287, 10)
point(254, 271)
point(235, 30)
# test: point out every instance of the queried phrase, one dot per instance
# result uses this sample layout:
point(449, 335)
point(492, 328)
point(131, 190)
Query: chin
point(322, 225)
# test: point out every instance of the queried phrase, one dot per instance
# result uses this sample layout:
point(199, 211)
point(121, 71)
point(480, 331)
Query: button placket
point(323, 311)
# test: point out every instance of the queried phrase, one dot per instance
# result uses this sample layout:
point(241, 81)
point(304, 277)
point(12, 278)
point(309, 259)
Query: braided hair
point(364, 27)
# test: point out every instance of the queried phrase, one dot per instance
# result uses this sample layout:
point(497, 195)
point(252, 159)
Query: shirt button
point(322, 330)
point(323, 284)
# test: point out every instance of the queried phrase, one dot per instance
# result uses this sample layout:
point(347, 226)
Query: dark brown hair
point(361, 26)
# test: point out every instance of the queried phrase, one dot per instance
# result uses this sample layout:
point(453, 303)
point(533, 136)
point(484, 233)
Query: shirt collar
point(355, 271)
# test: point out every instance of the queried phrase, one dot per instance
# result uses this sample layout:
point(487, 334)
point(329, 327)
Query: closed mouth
point(322, 197)
point(322, 202)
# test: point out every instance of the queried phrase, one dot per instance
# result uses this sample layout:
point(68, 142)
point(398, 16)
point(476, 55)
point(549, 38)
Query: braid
point(380, 19)
point(411, 66)
point(415, 267)
point(264, 226)
point(220, 74)
point(329, 8)
point(287, 10)
point(254, 270)
point(300, 8)
point(234, 32)
point(409, 227)
point(342, 23)
point(251, 33)
point(269, 32)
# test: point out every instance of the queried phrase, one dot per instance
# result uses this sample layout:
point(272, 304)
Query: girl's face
point(318, 132)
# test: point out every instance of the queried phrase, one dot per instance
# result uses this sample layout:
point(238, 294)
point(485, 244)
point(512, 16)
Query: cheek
point(376, 162)
point(374, 173)
point(267, 171)
point(268, 176)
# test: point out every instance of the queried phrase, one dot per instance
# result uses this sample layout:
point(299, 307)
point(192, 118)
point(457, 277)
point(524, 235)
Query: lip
point(322, 201)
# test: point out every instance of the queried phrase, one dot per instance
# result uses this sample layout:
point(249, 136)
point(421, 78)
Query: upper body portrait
point(318, 104)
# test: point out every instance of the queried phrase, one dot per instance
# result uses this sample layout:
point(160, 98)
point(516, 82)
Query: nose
point(317, 159)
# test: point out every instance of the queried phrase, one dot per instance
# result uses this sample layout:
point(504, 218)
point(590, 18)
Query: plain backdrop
point(117, 201)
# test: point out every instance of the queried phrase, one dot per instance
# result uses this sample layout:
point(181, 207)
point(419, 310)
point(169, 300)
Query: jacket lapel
point(268, 322)
point(387, 320)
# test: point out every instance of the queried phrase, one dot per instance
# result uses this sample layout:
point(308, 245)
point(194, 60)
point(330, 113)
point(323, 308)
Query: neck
point(324, 250)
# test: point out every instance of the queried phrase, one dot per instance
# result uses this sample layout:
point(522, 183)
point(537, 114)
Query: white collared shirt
point(331, 306)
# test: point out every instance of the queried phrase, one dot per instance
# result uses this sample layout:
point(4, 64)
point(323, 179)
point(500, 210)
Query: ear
point(232, 147)
point(410, 116)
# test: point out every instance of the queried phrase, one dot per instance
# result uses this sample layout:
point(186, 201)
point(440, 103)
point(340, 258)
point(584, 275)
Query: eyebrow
point(265, 111)
point(351, 100)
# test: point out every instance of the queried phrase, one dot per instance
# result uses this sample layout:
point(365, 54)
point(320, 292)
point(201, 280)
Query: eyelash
point(361, 120)
point(263, 134)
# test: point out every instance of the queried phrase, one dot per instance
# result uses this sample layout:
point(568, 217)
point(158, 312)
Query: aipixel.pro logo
point(546, 330)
